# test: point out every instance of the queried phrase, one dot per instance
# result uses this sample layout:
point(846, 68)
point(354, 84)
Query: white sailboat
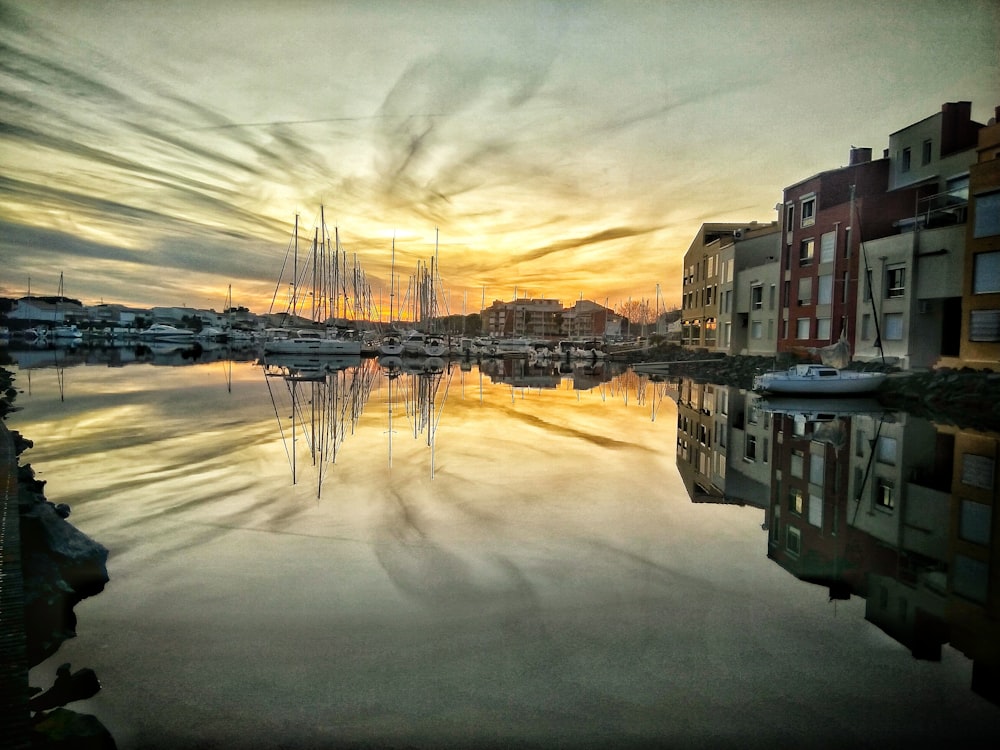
point(298, 339)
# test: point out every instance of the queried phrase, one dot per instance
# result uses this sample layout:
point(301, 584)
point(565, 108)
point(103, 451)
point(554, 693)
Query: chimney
point(958, 131)
point(860, 155)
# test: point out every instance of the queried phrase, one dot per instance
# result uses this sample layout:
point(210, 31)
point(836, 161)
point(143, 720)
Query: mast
point(295, 268)
point(392, 275)
point(868, 280)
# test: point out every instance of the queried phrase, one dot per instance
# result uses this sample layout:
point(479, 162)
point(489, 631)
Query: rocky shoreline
point(60, 566)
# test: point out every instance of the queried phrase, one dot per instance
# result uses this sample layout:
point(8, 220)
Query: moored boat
point(819, 380)
point(164, 332)
point(306, 341)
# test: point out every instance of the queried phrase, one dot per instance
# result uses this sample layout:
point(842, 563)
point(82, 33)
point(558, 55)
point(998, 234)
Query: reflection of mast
point(325, 397)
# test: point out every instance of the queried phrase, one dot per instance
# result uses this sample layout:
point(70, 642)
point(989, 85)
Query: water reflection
point(893, 508)
point(522, 544)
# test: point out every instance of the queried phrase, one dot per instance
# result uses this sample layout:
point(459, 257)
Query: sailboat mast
point(295, 267)
point(868, 280)
point(392, 276)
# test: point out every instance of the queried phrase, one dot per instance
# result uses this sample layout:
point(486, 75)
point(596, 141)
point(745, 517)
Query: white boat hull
point(809, 380)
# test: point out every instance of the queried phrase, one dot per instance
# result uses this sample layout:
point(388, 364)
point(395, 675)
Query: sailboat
point(312, 340)
point(63, 333)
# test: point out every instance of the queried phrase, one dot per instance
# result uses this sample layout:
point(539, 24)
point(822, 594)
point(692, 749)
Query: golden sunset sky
point(156, 153)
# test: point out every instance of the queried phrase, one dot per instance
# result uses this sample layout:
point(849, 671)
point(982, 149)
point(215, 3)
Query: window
point(904, 165)
point(893, 328)
point(771, 293)
point(809, 211)
point(756, 330)
point(788, 293)
point(885, 451)
point(986, 272)
point(805, 291)
point(727, 333)
point(977, 471)
point(926, 152)
point(806, 248)
point(765, 456)
point(789, 221)
point(817, 469)
point(974, 522)
point(756, 297)
point(884, 497)
point(895, 281)
point(802, 328)
point(795, 501)
point(824, 294)
point(750, 453)
point(987, 210)
point(823, 328)
point(796, 463)
point(816, 511)
point(970, 578)
point(827, 247)
point(793, 540)
point(984, 325)
point(866, 327)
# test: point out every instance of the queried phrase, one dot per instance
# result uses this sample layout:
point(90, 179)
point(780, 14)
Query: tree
point(637, 313)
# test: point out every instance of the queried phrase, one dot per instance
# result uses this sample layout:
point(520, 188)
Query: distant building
point(51, 310)
point(532, 318)
point(718, 252)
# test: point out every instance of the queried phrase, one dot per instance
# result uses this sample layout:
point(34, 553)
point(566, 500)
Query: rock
point(60, 565)
point(67, 688)
point(67, 729)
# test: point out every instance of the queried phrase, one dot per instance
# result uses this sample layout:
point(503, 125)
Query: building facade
point(980, 325)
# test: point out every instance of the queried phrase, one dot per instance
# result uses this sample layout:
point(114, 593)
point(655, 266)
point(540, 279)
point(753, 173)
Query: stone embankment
point(965, 398)
point(50, 565)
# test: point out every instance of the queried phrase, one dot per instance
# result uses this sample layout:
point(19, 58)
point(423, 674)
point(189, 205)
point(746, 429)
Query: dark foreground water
point(466, 559)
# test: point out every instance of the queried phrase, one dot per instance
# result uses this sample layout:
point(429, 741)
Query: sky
point(158, 153)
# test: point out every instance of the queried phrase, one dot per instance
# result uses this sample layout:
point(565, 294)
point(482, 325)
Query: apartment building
point(912, 288)
point(533, 318)
point(826, 218)
point(718, 252)
point(979, 344)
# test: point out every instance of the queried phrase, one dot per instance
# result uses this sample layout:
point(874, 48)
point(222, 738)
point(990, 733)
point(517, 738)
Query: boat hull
point(813, 383)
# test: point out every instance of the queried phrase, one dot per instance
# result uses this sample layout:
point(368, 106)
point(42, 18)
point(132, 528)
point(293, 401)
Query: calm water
point(466, 558)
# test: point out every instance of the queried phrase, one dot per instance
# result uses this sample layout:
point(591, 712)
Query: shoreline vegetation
point(60, 566)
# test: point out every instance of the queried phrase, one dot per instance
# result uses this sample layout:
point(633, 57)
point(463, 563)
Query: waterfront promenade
point(14, 717)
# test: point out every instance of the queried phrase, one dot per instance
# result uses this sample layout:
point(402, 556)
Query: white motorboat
point(818, 380)
point(305, 341)
point(66, 333)
point(164, 332)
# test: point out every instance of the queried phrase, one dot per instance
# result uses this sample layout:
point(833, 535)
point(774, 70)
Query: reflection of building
point(899, 511)
point(973, 609)
point(712, 455)
point(898, 495)
point(811, 534)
